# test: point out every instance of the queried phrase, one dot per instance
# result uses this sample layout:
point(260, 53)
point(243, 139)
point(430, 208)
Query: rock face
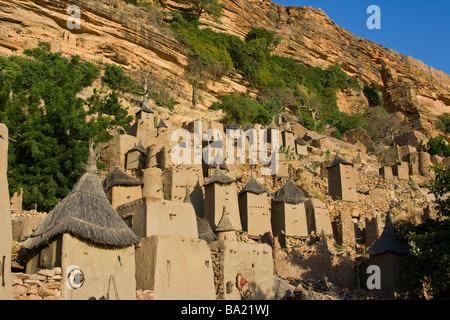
point(114, 31)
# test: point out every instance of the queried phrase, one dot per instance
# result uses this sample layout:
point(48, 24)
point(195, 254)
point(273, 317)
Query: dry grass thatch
point(85, 213)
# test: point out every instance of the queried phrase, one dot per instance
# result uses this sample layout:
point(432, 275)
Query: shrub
point(437, 146)
point(336, 134)
point(48, 125)
point(116, 78)
point(427, 266)
point(373, 95)
point(242, 109)
point(443, 123)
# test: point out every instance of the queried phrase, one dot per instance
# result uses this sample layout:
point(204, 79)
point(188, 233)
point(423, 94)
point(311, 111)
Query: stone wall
point(45, 285)
point(217, 262)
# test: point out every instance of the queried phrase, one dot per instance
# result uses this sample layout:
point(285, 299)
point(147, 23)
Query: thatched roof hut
point(85, 213)
point(338, 160)
point(252, 186)
point(161, 124)
point(219, 177)
point(289, 193)
point(117, 177)
point(224, 224)
point(388, 242)
point(139, 148)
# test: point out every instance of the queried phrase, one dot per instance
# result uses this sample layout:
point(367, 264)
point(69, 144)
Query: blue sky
point(420, 29)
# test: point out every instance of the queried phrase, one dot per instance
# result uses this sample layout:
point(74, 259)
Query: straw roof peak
point(338, 160)
point(252, 186)
point(388, 242)
point(219, 177)
point(117, 177)
point(224, 224)
point(85, 213)
point(289, 193)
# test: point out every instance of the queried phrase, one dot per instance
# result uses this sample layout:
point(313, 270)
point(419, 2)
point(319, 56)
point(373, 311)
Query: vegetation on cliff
point(281, 81)
point(49, 125)
point(427, 267)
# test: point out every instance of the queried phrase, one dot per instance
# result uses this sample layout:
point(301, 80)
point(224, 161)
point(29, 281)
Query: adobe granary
point(120, 188)
point(155, 216)
point(388, 253)
point(386, 172)
point(288, 139)
point(341, 180)
point(225, 229)
point(220, 191)
point(80, 234)
point(135, 158)
point(254, 208)
point(288, 211)
point(401, 170)
point(301, 147)
point(318, 217)
point(5, 220)
point(179, 268)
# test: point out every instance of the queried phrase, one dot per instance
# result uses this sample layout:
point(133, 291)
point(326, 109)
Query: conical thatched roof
point(289, 193)
point(139, 148)
point(145, 109)
point(219, 177)
point(388, 242)
point(224, 224)
point(252, 186)
point(85, 213)
point(161, 124)
point(204, 230)
point(338, 160)
point(300, 141)
point(247, 127)
point(117, 177)
point(234, 126)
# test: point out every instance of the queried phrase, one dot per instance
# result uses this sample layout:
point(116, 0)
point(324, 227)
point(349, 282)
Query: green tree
point(211, 7)
point(443, 122)
point(427, 267)
point(49, 125)
point(437, 146)
point(243, 109)
point(373, 95)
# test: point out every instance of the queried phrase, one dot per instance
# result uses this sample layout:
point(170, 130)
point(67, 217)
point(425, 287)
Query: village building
point(5, 220)
point(120, 188)
point(161, 127)
point(318, 217)
point(254, 208)
point(155, 216)
point(288, 139)
point(220, 191)
point(288, 211)
point(373, 229)
point(152, 183)
point(135, 158)
point(386, 173)
point(225, 229)
point(283, 166)
point(301, 147)
point(232, 261)
point(341, 180)
point(388, 254)
point(401, 170)
point(175, 268)
point(86, 237)
point(178, 177)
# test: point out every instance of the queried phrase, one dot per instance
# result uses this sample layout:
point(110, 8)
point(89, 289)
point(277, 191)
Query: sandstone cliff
point(114, 31)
